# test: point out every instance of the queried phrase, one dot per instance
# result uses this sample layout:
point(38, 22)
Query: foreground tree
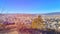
point(38, 23)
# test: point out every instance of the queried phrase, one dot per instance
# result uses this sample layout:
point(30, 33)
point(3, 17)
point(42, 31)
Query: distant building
point(52, 23)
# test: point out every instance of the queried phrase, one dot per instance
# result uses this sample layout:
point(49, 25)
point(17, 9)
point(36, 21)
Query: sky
point(29, 6)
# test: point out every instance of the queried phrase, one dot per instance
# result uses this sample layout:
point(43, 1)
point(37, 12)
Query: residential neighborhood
point(28, 22)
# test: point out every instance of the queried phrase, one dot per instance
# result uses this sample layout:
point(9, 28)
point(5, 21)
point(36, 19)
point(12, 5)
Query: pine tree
point(38, 23)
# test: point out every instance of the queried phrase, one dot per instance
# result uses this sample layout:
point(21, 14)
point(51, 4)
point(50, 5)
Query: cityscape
point(29, 24)
point(29, 16)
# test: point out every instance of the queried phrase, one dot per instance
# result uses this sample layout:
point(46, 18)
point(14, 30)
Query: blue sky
point(29, 6)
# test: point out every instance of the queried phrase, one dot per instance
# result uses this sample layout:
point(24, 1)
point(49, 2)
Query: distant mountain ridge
point(54, 13)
